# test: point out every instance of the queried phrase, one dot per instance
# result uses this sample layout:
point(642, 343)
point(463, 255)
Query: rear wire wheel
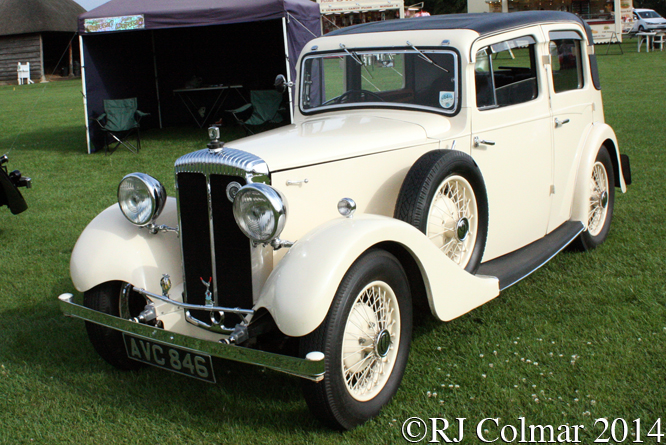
point(365, 338)
point(602, 202)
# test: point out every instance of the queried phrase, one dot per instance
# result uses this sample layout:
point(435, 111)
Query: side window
point(505, 73)
point(483, 78)
point(566, 61)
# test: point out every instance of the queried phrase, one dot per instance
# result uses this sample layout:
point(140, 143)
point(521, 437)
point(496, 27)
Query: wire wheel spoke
point(366, 363)
point(452, 219)
point(598, 193)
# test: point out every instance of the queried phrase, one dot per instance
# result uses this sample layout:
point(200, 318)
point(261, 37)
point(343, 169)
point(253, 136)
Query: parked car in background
point(648, 20)
point(10, 182)
point(432, 162)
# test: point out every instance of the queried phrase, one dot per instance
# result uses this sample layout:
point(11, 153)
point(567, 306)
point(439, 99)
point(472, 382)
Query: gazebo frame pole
point(157, 80)
point(286, 56)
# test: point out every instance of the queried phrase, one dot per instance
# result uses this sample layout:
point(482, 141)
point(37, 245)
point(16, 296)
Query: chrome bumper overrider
point(308, 369)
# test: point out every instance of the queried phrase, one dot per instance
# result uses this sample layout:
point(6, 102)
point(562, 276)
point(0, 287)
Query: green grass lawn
point(582, 338)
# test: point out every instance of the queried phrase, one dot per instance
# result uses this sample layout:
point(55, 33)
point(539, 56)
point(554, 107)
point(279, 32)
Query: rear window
point(566, 61)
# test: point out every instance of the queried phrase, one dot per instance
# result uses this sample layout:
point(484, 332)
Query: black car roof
point(482, 23)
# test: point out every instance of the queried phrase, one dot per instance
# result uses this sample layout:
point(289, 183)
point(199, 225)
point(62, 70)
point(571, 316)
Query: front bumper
point(305, 368)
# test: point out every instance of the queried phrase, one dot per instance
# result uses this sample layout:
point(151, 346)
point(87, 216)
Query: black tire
point(343, 404)
point(599, 221)
point(422, 185)
point(108, 343)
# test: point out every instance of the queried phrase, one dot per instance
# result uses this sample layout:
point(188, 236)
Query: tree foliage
point(657, 5)
point(448, 6)
point(459, 6)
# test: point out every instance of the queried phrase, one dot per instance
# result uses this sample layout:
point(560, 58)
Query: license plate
point(172, 358)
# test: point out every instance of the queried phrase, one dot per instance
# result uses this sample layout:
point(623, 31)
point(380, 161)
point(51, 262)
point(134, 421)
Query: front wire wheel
point(118, 299)
point(365, 338)
point(453, 219)
point(371, 341)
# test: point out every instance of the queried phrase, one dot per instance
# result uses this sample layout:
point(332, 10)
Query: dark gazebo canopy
point(36, 16)
point(154, 49)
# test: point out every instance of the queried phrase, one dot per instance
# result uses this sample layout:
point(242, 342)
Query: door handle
point(478, 141)
point(559, 123)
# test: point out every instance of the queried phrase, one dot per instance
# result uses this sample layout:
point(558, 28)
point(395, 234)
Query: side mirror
point(281, 84)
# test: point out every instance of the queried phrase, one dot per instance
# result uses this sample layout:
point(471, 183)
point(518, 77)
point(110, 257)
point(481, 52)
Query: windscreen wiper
point(426, 58)
point(352, 55)
point(358, 60)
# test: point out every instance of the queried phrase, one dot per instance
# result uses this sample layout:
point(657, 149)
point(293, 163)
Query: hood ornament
point(215, 144)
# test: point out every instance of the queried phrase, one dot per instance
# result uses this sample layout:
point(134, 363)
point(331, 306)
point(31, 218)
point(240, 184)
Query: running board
point(514, 266)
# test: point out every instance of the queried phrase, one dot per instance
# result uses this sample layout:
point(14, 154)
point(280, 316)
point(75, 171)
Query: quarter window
point(566, 61)
point(505, 73)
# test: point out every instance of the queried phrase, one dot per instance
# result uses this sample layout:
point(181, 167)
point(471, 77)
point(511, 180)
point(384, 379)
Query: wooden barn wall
point(21, 48)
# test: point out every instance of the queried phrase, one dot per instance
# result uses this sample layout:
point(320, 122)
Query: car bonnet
point(327, 139)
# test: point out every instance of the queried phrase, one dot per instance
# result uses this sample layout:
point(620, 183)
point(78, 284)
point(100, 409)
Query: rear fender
point(299, 291)
point(111, 248)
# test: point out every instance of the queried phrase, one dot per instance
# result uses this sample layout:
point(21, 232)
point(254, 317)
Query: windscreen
point(416, 78)
point(649, 15)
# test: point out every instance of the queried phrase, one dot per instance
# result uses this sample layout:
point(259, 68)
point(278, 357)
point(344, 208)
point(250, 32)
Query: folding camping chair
point(119, 120)
point(264, 107)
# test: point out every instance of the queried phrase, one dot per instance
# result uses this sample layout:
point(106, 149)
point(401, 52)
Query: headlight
point(141, 198)
point(260, 212)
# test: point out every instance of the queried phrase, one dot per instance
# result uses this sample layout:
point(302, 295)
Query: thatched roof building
point(39, 32)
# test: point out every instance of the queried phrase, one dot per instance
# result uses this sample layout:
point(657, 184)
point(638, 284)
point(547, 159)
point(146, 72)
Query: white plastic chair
point(24, 73)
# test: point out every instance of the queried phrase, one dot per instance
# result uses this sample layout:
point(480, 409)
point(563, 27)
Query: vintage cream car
point(432, 161)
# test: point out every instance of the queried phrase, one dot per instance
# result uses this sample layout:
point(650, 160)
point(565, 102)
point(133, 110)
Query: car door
point(572, 104)
point(511, 141)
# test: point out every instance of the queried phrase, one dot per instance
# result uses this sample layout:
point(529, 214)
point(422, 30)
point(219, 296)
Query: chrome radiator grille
point(212, 244)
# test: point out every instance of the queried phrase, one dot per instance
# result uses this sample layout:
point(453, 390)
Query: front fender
point(599, 134)
point(111, 248)
point(299, 291)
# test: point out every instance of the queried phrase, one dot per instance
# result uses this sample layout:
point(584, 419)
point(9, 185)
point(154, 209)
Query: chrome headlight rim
point(277, 206)
point(156, 195)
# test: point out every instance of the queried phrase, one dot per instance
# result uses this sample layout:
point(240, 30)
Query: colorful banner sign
point(106, 24)
point(342, 6)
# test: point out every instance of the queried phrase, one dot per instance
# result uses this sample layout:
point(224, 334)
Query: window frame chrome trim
point(457, 80)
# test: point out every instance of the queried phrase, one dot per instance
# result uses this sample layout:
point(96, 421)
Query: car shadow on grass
point(54, 349)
